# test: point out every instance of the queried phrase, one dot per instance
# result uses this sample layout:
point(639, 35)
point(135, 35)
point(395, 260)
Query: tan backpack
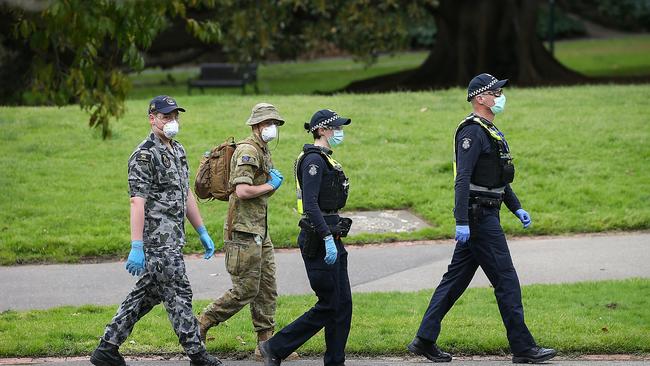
point(213, 175)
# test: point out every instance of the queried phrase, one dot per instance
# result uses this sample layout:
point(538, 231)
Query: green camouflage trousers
point(251, 264)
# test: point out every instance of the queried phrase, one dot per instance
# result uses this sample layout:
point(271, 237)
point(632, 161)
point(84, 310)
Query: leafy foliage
point(82, 50)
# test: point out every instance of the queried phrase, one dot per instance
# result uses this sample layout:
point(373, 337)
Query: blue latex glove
point(207, 242)
point(330, 250)
point(135, 262)
point(462, 233)
point(276, 179)
point(524, 217)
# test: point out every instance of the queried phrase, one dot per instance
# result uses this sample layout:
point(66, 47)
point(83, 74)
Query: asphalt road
point(394, 267)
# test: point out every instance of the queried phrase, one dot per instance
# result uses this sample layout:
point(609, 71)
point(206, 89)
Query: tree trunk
point(474, 36)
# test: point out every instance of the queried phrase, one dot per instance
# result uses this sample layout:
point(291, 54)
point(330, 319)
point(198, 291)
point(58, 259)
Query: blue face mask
point(499, 104)
point(336, 139)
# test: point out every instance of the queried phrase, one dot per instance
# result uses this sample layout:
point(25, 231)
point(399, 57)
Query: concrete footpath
point(457, 361)
point(393, 267)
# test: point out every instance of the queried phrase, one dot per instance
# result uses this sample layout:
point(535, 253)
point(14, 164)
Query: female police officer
point(322, 190)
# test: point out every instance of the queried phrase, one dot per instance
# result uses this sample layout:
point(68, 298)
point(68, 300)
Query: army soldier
point(160, 201)
point(249, 251)
point(483, 172)
point(322, 189)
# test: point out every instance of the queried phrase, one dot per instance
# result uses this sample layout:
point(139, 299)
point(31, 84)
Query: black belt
point(486, 201)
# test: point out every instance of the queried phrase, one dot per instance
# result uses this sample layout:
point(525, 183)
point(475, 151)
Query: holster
point(313, 243)
point(341, 229)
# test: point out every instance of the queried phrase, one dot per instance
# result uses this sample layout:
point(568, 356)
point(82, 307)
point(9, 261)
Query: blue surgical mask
point(336, 139)
point(499, 104)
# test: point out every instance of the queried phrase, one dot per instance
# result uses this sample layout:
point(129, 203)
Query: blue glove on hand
point(524, 217)
point(135, 262)
point(462, 233)
point(330, 250)
point(207, 242)
point(276, 179)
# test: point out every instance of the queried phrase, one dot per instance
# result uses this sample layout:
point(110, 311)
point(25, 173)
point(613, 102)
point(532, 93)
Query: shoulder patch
point(247, 159)
point(143, 156)
point(466, 143)
point(313, 169)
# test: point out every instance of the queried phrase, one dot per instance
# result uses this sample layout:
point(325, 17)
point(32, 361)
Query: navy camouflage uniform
point(161, 177)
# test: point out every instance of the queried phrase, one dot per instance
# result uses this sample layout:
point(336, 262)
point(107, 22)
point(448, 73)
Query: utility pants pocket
point(238, 252)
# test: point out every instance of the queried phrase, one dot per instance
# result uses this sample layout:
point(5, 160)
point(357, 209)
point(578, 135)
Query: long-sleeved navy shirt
point(311, 171)
point(472, 141)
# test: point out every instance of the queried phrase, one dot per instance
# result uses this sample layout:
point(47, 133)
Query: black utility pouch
point(343, 227)
point(508, 173)
point(313, 244)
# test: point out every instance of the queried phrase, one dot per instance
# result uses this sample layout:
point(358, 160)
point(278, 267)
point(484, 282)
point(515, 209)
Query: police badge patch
point(313, 169)
point(466, 143)
point(166, 162)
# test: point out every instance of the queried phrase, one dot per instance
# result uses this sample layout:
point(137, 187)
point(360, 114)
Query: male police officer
point(249, 250)
point(160, 201)
point(322, 189)
point(483, 170)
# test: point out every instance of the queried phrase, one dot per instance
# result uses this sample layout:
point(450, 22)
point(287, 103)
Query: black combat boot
point(107, 354)
point(429, 350)
point(267, 355)
point(203, 358)
point(534, 355)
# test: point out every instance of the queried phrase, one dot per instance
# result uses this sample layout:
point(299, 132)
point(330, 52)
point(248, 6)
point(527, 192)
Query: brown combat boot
point(204, 325)
point(264, 335)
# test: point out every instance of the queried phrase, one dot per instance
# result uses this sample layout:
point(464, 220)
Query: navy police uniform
point(322, 191)
point(483, 171)
point(479, 159)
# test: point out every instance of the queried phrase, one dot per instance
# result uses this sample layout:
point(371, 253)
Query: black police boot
point(203, 358)
point(429, 350)
point(106, 354)
point(534, 355)
point(267, 355)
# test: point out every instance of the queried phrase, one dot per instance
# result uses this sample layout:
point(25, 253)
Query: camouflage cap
point(262, 112)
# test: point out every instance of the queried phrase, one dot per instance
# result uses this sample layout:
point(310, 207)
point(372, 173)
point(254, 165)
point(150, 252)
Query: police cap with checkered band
point(482, 83)
point(326, 118)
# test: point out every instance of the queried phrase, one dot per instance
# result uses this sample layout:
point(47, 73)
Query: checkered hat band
point(481, 90)
point(324, 123)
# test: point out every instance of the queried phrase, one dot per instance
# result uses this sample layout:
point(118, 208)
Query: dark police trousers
point(332, 311)
point(487, 248)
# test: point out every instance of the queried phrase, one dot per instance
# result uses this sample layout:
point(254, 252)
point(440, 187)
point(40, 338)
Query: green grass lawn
point(283, 78)
point(591, 317)
point(581, 154)
point(626, 56)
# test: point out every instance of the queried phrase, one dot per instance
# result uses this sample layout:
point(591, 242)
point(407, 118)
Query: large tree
point(474, 36)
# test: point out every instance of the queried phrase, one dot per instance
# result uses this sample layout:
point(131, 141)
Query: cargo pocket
point(235, 256)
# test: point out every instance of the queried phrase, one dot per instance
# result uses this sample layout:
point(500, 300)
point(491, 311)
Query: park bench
point(218, 75)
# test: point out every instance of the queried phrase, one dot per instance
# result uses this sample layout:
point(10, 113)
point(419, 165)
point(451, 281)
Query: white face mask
point(170, 129)
point(269, 133)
